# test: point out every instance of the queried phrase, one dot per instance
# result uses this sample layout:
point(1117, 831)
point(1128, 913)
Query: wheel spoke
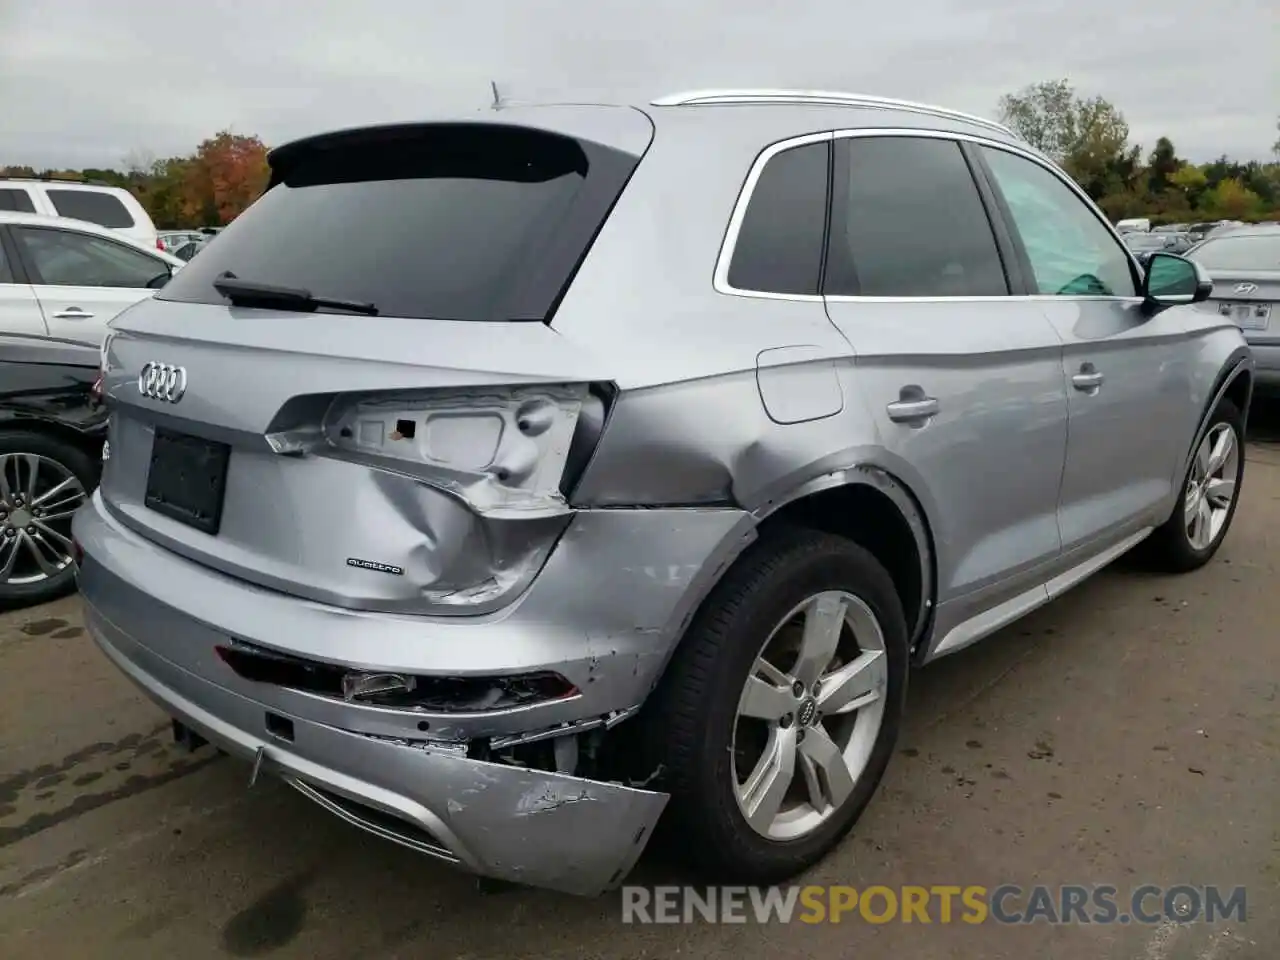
point(834, 780)
point(766, 701)
point(766, 787)
point(33, 547)
point(823, 623)
point(1204, 521)
point(8, 557)
point(1220, 491)
point(1222, 449)
point(854, 685)
point(771, 673)
point(33, 476)
point(48, 533)
point(44, 498)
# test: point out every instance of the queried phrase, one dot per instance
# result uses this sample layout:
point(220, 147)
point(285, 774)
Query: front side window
point(91, 205)
point(779, 246)
point(68, 259)
point(1071, 253)
point(909, 222)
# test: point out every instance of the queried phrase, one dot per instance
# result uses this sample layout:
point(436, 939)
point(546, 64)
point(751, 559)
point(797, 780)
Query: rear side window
point(92, 205)
point(448, 221)
point(908, 221)
point(16, 200)
point(779, 245)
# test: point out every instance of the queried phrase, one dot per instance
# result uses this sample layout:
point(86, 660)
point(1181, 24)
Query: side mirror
point(1172, 280)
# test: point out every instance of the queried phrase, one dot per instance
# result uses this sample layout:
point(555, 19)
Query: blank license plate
point(1248, 316)
point(187, 479)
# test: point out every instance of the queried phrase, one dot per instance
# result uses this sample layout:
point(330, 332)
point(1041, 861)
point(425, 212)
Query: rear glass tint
point(451, 222)
point(91, 205)
point(1258, 252)
point(16, 200)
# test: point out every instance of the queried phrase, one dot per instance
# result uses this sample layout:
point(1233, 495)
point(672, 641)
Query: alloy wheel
point(1211, 486)
point(809, 715)
point(38, 497)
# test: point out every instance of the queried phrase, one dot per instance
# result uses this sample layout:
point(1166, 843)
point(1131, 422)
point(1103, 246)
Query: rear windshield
point(452, 222)
point(1239, 253)
point(91, 205)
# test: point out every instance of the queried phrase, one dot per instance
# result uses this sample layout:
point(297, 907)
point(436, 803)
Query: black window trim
point(720, 278)
point(28, 267)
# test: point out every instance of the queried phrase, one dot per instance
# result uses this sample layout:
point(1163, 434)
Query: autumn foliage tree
point(228, 172)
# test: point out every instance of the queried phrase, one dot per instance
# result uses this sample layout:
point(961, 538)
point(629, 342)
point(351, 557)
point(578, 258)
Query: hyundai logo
point(1246, 287)
point(162, 381)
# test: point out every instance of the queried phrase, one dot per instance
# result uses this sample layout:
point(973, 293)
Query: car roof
point(746, 117)
point(84, 226)
point(66, 184)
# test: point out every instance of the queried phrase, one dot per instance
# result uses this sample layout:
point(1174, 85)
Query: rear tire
point(1210, 493)
point(36, 563)
point(719, 696)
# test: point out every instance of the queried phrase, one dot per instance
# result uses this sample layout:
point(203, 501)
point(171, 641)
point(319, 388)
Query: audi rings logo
point(162, 381)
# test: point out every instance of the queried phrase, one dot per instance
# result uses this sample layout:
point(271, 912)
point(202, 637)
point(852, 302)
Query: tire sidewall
point(1228, 414)
point(839, 566)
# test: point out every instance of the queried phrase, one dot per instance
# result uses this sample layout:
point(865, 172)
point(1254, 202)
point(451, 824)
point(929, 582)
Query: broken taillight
point(400, 690)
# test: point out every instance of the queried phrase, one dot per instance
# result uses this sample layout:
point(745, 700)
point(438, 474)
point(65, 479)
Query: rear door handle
point(912, 411)
point(73, 313)
point(1087, 379)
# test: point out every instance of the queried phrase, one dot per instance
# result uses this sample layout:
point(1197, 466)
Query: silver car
point(1246, 265)
point(592, 464)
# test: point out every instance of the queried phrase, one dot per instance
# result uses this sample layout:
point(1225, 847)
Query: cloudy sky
point(87, 82)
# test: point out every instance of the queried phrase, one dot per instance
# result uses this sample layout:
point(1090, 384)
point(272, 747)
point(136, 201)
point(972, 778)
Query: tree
point(1275, 147)
point(228, 172)
point(1162, 165)
point(1088, 137)
point(1232, 200)
point(1191, 182)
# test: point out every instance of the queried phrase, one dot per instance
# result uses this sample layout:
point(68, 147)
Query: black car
point(52, 430)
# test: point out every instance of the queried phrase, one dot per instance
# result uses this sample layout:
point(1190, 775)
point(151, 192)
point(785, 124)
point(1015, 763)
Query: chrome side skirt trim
point(989, 621)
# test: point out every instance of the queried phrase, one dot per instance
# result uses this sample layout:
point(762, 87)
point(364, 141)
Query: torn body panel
point(605, 628)
point(532, 827)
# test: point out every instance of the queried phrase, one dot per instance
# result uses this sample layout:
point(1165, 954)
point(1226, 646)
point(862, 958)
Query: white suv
point(67, 278)
point(111, 207)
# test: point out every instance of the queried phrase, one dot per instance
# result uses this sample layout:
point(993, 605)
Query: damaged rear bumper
point(524, 826)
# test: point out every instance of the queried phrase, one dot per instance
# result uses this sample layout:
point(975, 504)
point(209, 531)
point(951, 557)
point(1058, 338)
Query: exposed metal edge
point(821, 97)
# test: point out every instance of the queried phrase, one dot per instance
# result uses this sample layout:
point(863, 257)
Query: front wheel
point(43, 481)
point(1210, 493)
point(777, 717)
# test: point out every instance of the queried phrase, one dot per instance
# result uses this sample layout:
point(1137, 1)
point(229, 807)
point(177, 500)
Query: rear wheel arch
point(873, 508)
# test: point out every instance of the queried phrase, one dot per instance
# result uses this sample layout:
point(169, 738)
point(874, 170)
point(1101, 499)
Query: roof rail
point(77, 180)
point(824, 98)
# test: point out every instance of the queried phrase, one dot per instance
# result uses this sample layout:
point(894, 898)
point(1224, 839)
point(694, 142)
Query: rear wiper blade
point(250, 293)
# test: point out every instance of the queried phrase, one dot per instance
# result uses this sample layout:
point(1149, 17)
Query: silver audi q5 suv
point(591, 464)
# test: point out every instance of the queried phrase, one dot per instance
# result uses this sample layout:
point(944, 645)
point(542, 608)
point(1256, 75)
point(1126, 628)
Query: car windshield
point(1256, 252)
